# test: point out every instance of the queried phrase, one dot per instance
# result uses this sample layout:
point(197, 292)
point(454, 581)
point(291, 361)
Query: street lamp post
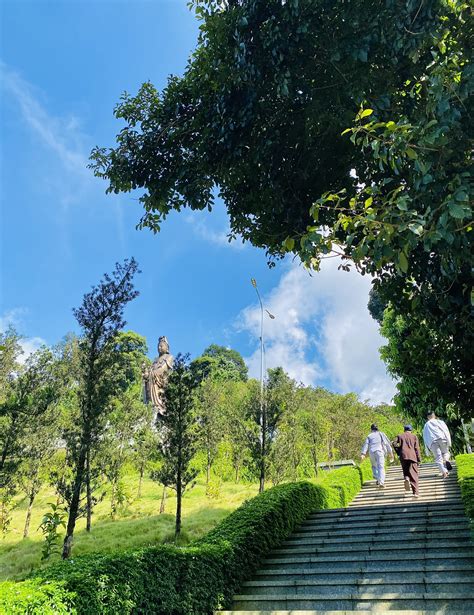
point(263, 417)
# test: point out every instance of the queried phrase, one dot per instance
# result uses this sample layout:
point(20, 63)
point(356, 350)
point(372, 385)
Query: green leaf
point(461, 196)
point(416, 227)
point(366, 113)
point(403, 262)
point(456, 210)
point(368, 202)
point(410, 152)
point(289, 243)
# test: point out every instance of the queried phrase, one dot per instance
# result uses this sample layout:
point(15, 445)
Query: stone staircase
point(385, 552)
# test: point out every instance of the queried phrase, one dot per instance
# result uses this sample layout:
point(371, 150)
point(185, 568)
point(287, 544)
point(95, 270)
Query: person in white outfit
point(378, 445)
point(437, 441)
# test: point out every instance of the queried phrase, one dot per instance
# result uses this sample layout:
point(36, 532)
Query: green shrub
point(198, 579)
point(35, 597)
point(465, 466)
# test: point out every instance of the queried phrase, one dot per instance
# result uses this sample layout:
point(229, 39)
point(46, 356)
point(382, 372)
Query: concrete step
point(400, 488)
point(430, 549)
point(419, 540)
point(367, 570)
point(403, 522)
point(421, 507)
point(360, 514)
point(296, 588)
point(443, 493)
point(463, 554)
point(447, 574)
point(421, 532)
point(357, 601)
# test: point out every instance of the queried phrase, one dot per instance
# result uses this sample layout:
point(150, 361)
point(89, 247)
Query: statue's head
point(163, 346)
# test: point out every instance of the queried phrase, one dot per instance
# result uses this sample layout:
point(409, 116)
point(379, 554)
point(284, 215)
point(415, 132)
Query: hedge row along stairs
point(385, 552)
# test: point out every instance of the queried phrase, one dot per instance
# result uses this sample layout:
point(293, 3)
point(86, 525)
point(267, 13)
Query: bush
point(35, 597)
point(465, 466)
point(198, 579)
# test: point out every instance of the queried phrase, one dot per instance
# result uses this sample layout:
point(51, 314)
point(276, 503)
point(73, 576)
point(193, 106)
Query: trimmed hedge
point(170, 580)
point(465, 466)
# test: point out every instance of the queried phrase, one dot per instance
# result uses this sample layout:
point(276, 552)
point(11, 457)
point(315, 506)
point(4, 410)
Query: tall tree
point(260, 111)
point(35, 389)
point(100, 317)
point(220, 363)
point(127, 416)
point(210, 420)
point(10, 352)
point(178, 438)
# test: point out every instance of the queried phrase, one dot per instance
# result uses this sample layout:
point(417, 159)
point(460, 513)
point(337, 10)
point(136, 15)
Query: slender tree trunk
point(8, 441)
point(74, 508)
point(88, 492)
point(179, 495)
point(237, 472)
point(315, 461)
point(113, 505)
point(31, 499)
point(140, 481)
point(208, 467)
point(163, 500)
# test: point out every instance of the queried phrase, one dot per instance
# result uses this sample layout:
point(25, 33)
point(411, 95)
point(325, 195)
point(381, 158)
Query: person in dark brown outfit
point(408, 449)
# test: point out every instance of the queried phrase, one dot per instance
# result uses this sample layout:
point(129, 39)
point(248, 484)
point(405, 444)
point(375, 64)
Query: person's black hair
point(374, 427)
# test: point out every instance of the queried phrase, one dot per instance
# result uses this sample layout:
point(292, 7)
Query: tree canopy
point(327, 129)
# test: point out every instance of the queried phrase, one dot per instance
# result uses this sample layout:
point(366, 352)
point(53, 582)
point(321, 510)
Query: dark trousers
point(410, 471)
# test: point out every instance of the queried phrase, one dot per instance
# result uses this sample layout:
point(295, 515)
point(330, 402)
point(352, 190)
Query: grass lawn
point(137, 525)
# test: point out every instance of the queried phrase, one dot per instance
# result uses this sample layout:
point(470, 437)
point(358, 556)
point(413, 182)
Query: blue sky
point(64, 65)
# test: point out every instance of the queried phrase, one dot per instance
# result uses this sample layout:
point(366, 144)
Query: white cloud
point(62, 136)
point(200, 221)
point(62, 168)
point(28, 345)
point(322, 331)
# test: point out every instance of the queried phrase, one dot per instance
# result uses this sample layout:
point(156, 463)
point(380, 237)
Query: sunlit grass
point(138, 524)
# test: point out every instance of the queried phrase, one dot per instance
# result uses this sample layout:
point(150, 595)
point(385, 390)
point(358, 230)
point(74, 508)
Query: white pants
point(377, 459)
point(440, 450)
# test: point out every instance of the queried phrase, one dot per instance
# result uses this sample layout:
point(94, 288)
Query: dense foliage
point(465, 467)
point(196, 579)
point(327, 129)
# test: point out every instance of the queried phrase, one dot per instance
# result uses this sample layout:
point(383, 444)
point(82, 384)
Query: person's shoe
point(445, 475)
point(377, 483)
point(407, 484)
point(448, 465)
point(382, 486)
point(416, 496)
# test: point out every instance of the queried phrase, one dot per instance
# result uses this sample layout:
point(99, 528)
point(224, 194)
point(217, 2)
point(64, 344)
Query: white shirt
point(435, 429)
point(377, 441)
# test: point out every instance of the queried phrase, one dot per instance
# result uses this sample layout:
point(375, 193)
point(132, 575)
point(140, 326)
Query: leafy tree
point(178, 439)
point(264, 416)
point(10, 351)
point(260, 114)
point(35, 390)
point(237, 425)
point(100, 318)
point(127, 416)
point(39, 444)
point(314, 423)
point(145, 447)
point(439, 386)
point(209, 418)
point(220, 363)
